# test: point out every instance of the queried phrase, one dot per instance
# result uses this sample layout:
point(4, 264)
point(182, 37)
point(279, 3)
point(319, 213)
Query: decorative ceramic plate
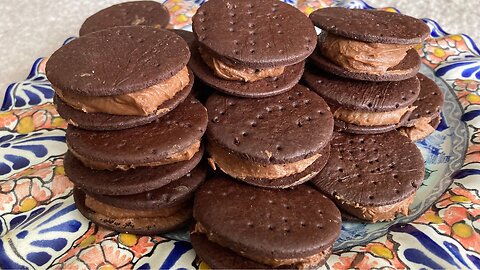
point(41, 228)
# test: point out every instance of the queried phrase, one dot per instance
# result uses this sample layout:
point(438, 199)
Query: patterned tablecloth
point(41, 228)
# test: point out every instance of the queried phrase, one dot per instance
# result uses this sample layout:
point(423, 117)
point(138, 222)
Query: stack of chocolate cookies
point(267, 133)
point(366, 68)
point(134, 135)
point(135, 130)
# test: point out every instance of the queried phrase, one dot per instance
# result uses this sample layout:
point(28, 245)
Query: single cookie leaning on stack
point(274, 142)
point(140, 77)
point(241, 226)
point(365, 107)
point(426, 116)
point(148, 13)
point(372, 177)
point(251, 48)
point(368, 45)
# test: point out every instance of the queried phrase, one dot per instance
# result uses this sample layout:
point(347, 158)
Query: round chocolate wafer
point(174, 193)
point(262, 88)
point(141, 226)
point(119, 182)
point(268, 224)
point(275, 130)
point(159, 141)
point(137, 57)
point(407, 68)
point(149, 13)
point(254, 34)
point(103, 121)
point(371, 170)
point(218, 257)
point(371, 25)
point(362, 95)
point(428, 103)
point(188, 36)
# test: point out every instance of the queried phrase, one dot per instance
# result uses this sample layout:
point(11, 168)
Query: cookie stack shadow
point(134, 134)
point(366, 68)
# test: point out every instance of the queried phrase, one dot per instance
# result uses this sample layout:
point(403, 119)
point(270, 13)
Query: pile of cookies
point(134, 134)
point(366, 68)
point(285, 152)
point(267, 133)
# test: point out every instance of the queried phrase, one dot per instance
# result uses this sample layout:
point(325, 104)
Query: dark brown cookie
point(407, 68)
point(255, 34)
point(141, 226)
point(371, 170)
point(357, 129)
point(172, 134)
point(371, 25)
point(284, 128)
point(362, 95)
point(258, 89)
point(201, 91)
point(149, 13)
point(124, 183)
point(267, 224)
point(188, 36)
point(429, 102)
point(218, 257)
point(137, 57)
point(103, 121)
point(295, 179)
point(174, 193)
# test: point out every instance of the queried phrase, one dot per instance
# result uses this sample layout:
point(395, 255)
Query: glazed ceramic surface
point(41, 228)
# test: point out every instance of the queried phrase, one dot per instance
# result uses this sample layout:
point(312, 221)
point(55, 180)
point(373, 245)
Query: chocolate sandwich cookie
point(365, 107)
point(143, 72)
point(148, 13)
point(275, 142)
point(251, 48)
point(173, 138)
point(119, 182)
point(372, 177)
point(218, 257)
point(426, 117)
point(105, 121)
point(152, 212)
point(292, 228)
point(370, 45)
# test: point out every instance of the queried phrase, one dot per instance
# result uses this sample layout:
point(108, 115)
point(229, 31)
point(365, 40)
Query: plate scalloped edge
point(39, 228)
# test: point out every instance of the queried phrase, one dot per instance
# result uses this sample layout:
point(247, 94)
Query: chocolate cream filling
point(363, 118)
point(241, 168)
point(358, 56)
point(186, 154)
point(168, 217)
point(233, 73)
point(378, 213)
point(299, 263)
point(420, 130)
point(142, 102)
point(117, 212)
